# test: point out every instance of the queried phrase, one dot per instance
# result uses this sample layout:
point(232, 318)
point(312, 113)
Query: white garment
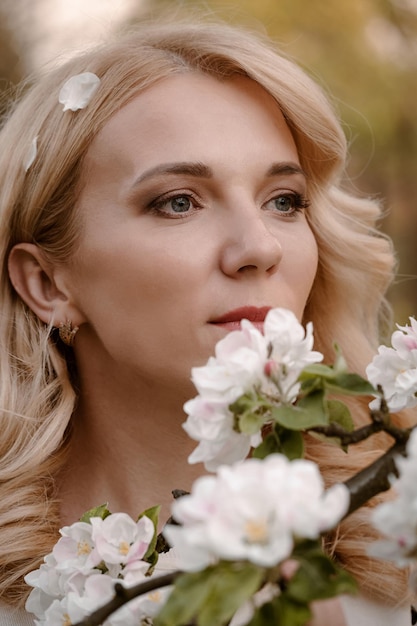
point(361, 612)
point(15, 617)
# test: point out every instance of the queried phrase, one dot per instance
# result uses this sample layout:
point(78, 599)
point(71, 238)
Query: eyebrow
point(279, 169)
point(199, 170)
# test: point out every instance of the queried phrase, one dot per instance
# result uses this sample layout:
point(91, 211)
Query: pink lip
point(232, 319)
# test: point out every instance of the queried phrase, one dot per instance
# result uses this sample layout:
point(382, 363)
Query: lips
point(231, 320)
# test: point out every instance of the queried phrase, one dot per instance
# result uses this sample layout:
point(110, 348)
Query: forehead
point(192, 116)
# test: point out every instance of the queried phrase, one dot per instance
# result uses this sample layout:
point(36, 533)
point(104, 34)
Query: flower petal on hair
point(78, 90)
point(31, 155)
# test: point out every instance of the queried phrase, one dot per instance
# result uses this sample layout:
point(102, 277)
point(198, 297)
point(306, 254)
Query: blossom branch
point(124, 595)
point(375, 478)
point(381, 422)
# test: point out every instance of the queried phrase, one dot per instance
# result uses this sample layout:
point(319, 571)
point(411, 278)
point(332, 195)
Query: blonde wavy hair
point(37, 396)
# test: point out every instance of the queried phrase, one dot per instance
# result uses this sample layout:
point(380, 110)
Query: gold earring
point(67, 332)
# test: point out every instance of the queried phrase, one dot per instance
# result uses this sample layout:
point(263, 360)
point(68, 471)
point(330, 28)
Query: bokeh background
point(363, 52)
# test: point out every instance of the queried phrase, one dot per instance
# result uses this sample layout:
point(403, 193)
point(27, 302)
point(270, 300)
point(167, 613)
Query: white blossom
point(291, 349)
point(249, 511)
point(75, 550)
point(397, 519)
point(68, 585)
point(119, 539)
point(395, 369)
point(245, 361)
point(78, 90)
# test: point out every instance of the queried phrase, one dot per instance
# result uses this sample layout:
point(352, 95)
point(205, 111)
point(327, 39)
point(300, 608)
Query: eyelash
point(298, 203)
point(157, 205)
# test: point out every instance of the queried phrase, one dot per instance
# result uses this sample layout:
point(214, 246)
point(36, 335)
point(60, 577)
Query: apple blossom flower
point(251, 511)
point(75, 550)
point(236, 367)
point(212, 424)
point(397, 519)
point(119, 539)
point(245, 362)
point(78, 90)
point(395, 369)
point(291, 350)
point(68, 585)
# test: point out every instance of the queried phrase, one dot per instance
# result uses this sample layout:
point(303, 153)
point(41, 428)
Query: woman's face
point(191, 212)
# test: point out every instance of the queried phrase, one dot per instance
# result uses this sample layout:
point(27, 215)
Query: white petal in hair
point(78, 90)
point(31, 155)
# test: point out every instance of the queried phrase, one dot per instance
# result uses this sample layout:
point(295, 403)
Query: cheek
point(302, 253)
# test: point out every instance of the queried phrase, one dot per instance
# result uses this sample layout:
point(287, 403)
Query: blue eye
point(288, 203)
point(180, 204)
point(175, 205)
point(284, 203)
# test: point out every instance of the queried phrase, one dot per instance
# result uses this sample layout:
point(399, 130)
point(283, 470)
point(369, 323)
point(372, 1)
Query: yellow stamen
point(124, 548)
point(256, 531)
point(83, 547)
point(155, 596)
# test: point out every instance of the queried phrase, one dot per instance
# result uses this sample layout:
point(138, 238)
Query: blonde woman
point(198, 179)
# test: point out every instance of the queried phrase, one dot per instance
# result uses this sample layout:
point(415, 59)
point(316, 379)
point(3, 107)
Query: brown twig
point(124, 595)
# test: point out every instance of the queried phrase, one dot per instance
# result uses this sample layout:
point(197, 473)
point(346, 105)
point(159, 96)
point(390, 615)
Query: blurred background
point(363, 52)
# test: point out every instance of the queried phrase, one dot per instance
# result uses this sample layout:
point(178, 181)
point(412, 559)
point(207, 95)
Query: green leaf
point(309, 412)
point(269, 445)
point(292, 444)
point(212, 596)
point(186, 599)
point(351, 384)
point(282, 611)
point(340, 364)
point(153, 514)
point(98, 511)
point(283, 441)
point(317, 370)
point(315, 383)
point(234, 584)
point(318, 576)
point(250, 423)
point(340, 414)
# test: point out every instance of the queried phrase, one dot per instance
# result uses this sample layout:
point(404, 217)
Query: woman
point(199, 183)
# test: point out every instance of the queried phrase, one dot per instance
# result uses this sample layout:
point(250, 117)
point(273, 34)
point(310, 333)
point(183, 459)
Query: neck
point(128, 450)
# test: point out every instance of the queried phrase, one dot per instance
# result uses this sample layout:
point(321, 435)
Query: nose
point(250, 245)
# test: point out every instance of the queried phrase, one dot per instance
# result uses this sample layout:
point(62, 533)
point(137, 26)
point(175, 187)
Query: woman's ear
point(33, 277)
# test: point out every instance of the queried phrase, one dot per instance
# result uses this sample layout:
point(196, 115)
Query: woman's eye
point(288, 203)
point(180, 204)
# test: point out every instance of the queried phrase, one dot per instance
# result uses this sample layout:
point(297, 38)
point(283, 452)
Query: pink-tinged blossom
point(291, 350)
point(245, 362)
point(395, 369)
point(249, 512)
point(119, 539)
point(75, 550)
point(68, 586)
